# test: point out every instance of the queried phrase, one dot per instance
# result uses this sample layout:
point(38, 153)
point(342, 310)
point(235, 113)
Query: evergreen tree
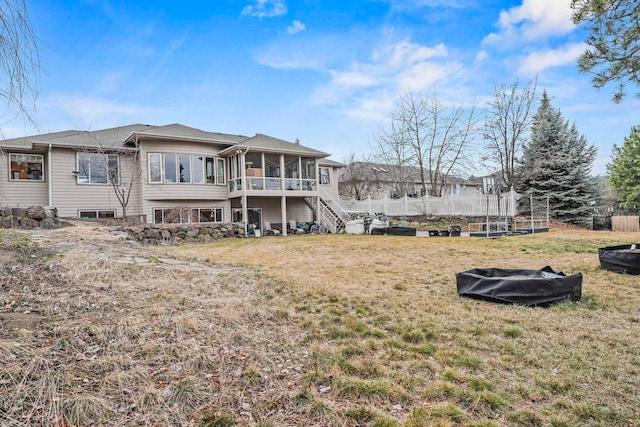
point(557, 163)
point(624, 171)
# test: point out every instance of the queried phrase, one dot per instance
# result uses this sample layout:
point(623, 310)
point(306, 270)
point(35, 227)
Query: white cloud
point(543, 59)
point(295, 27)
point(481, 55)
point(368, 89)
point(533, 20)
point(266, 8)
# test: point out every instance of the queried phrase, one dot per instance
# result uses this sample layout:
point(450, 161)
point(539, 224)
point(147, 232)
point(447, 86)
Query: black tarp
point(623, 259)
point(395, 231)
point(516, 286)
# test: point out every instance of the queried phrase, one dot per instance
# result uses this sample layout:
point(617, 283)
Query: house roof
point(270, 144)
point(124, 138)
point(180, 132)
point(329, 162)
point(112, 138)
point(28, 141)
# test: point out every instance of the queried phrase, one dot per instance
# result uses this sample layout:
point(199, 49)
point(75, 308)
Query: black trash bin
point(455, 230)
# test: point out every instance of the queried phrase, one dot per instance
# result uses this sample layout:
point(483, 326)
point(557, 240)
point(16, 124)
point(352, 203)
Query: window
point(170, 164)
point(197, 163)
point(308, 168)
point(325, 176)
point(169, 168)
point(96, 214)
point(210, 170)
point(221, 169)
point(184, 167)
point(155, 168)
point(187, 215)
point(171, 215)
point(206, 215)
point(97, 168)
point(28, 167)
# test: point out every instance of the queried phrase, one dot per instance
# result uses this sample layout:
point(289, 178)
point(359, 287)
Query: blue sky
point(325, 72)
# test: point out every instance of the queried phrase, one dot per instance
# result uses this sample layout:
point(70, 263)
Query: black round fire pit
point(515, 286)
point(624, 259)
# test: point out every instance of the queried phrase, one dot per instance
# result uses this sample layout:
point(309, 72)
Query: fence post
point(384, 203)
point(369, 201)
point(548, 225)
point(406, 204)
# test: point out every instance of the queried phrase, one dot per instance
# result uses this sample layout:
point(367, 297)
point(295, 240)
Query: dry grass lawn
point(316, 330)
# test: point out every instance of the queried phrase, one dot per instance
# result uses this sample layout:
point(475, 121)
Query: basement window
point(96, 214)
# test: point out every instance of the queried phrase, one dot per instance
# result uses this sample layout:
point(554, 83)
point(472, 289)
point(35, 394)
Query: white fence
point(466, 205)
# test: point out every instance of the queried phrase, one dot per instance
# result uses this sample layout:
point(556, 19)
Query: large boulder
point(48, 223)
point(35, 212)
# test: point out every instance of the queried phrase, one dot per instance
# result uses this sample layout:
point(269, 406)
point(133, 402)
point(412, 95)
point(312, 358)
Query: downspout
point(50, 176)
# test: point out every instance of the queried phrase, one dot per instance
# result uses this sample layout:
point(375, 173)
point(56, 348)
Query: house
point(171, 174)
point(360, 180)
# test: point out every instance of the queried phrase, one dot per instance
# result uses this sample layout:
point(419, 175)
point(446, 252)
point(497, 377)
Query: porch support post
point(282, 178)
point(243, 175)
point(283, 215)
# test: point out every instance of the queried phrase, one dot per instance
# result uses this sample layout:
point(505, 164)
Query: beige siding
point(332, 188)
point(21, 193)
point(70, 197)
point(297, 210)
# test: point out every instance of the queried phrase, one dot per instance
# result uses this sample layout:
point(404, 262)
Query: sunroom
point(263, 169)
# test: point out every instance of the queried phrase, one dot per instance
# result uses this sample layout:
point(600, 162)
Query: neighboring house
point(365, 179)
point(174, 174)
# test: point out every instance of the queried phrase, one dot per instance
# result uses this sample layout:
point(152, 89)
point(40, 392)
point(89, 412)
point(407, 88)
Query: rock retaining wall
point(31, 217)
point(170, 234)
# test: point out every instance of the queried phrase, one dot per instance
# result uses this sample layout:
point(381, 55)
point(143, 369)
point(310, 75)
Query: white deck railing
point(465, 205)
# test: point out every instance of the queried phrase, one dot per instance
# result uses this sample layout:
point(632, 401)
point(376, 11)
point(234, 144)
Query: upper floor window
point(97, 168)
point(308, 167)
point(325, 176)
point(169, 168)
point(29, 167)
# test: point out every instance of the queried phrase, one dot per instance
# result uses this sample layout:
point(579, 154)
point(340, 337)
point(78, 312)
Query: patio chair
point(268, 231)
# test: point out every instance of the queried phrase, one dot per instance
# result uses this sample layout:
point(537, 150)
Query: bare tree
point(408, 120)
point(357, 180)
point(390, 152)
point(120, 168)
point(435, 137)
point(506, 126)
point(19, 56)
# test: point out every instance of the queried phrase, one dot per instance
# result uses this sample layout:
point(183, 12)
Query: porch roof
point(265, 143)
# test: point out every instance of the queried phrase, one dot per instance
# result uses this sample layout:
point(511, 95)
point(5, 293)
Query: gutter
point(50, 176)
